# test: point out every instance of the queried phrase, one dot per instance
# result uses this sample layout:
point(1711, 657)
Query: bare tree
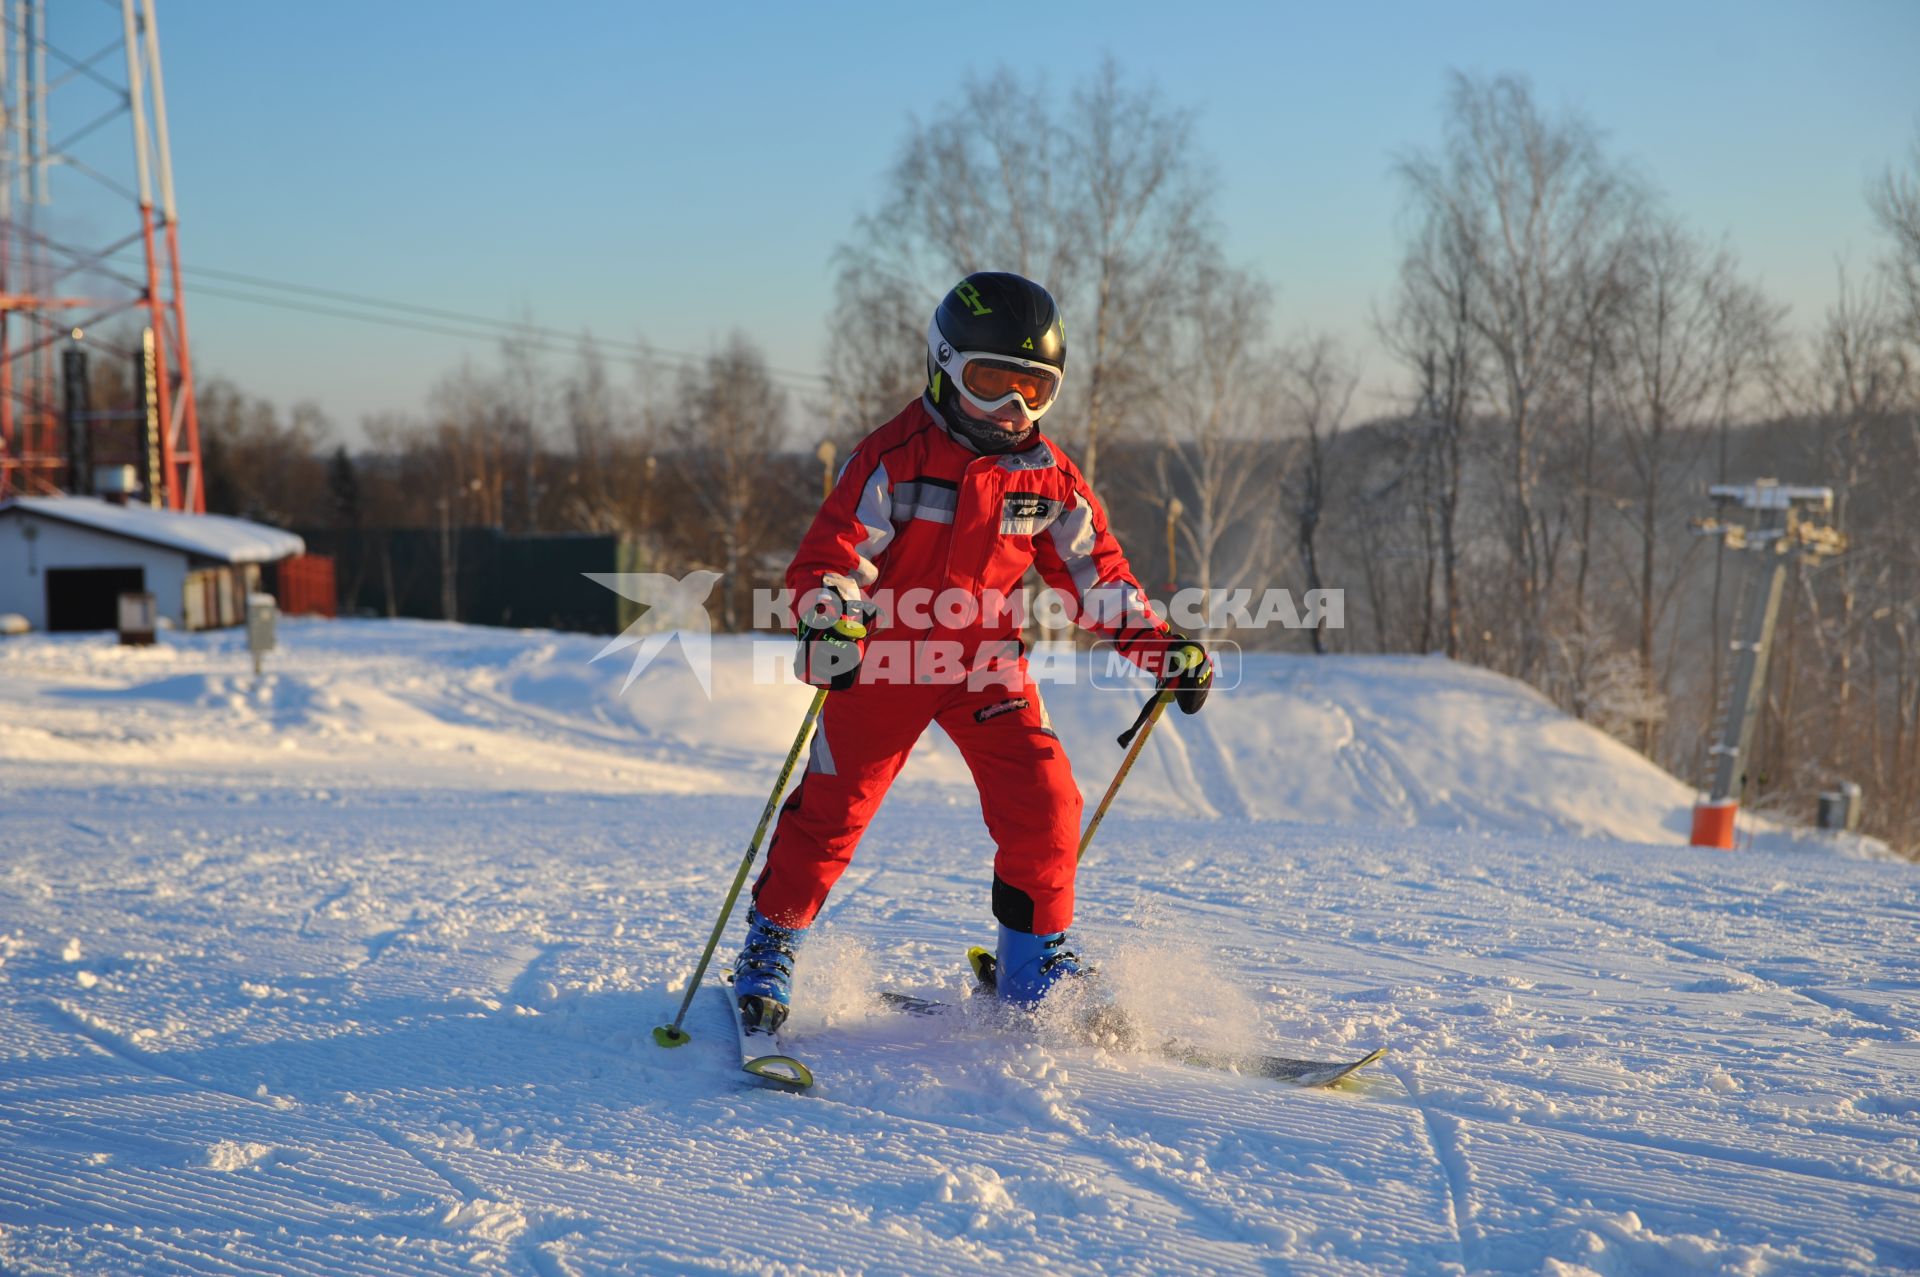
point(1863, 378)
point(972, 190)
point(1601, 295)
point(526, 401)
point(1316, 386)
point(1136, 213)
point(1604, 683)
point(877, 337)
point(473, 438)
point(259, 464)
point(1104, 203)
point(602, 422)
point(1531, 199)
point(1895, 201)
point(1216, 426)
point(728, 424)
point(1671, 350)
point(1431, 332)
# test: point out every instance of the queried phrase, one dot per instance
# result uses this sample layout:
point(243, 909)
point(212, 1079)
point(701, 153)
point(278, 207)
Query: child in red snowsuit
point(904, 584)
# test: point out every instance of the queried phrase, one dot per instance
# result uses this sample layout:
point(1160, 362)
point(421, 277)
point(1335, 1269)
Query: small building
point(65, 562)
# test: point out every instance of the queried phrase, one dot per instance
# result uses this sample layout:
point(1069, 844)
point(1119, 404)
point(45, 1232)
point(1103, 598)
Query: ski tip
point(982, 961)
point(671, 1035)
point(1334, 1075)
point(782, 1069)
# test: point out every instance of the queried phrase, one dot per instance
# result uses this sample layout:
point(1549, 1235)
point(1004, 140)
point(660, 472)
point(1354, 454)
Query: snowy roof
point(206, 536)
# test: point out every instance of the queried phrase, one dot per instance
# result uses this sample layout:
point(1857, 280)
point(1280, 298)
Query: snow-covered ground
point(353, 971)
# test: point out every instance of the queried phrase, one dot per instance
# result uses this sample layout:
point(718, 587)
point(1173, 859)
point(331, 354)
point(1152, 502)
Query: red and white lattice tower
point(79, 80)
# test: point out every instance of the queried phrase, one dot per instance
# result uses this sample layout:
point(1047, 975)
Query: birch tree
point(1102, 201)
point(1668, 353)
point(1529, 198)
point(1430, 331)
point(1316, 387)
point(1217, 425)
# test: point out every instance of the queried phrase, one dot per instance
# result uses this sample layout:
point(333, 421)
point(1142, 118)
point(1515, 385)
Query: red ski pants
point(1027, 794)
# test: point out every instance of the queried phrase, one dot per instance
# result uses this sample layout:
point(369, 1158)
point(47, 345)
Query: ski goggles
point(991, 381)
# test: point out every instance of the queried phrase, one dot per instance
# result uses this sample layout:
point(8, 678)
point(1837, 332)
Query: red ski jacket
point(918, 523)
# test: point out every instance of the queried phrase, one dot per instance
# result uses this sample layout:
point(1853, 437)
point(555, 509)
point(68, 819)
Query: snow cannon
point(1784, 526)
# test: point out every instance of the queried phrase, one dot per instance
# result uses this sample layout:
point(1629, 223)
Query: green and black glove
point(1188, 673)
point(829, 654)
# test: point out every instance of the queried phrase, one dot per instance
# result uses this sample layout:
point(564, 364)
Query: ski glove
point(1188, 674)
point(829, 655)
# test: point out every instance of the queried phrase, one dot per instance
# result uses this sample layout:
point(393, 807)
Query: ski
point(762, 1054)
point(1107, 1027)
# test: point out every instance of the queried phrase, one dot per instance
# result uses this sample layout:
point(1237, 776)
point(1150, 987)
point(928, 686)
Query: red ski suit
point(915, 513)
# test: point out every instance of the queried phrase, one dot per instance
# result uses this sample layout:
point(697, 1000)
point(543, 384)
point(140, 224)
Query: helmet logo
point(946, 352)
point(1027, 344)
point(971, 296)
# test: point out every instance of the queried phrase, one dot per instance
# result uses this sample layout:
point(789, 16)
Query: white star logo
point(676, 609)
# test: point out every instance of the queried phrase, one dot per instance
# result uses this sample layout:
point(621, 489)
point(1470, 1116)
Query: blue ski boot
point(1027, 966)
point(763, 973)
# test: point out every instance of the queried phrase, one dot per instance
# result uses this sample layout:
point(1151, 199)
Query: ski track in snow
point(354, 973)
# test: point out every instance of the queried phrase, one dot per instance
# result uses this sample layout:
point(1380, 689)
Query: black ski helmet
point(1012, 322)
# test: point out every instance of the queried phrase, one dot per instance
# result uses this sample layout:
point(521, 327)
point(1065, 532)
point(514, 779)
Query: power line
point(531, 338)
point(416, 318)
point(506, 327)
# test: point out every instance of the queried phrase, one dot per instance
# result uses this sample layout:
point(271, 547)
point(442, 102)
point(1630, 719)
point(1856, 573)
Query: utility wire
point(505, 326)
point(474, 327)
point(531, 338)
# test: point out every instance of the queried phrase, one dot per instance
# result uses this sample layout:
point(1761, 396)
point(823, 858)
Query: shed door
point(89, 598)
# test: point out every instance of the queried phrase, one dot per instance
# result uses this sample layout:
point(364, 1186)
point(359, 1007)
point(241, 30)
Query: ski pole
point(1137, 735)
point(673, 1034)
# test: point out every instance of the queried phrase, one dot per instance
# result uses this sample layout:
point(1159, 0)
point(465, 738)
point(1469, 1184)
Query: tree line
point(1575, 365)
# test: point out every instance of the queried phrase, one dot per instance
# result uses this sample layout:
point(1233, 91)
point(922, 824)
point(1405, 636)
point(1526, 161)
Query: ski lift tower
point(1779, 529)
point(78, 82)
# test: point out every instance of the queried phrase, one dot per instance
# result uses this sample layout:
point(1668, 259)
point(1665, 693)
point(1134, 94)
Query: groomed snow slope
point(1401, 742)
point(353, 971)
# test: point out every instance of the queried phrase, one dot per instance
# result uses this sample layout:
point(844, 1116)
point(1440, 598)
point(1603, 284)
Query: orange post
point(1713, 824)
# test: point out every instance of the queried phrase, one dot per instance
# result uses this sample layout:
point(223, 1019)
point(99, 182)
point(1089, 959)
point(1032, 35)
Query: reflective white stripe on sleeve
point(1074, 540)
point(875, 513)
point(1111, 605)
point(1114, 605)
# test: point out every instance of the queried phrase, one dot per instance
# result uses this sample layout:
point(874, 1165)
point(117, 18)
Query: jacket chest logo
point(1025, 513)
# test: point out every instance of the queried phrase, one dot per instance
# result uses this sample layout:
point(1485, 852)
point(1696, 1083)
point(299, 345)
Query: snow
point(353, 970)
point(207, 536)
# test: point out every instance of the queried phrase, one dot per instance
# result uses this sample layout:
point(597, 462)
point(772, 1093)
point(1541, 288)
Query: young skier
point(959, 494)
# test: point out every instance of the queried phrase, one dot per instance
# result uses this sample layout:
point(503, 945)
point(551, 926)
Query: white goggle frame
point(953, 362)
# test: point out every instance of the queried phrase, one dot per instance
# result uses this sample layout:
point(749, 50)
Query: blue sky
point(673, 172)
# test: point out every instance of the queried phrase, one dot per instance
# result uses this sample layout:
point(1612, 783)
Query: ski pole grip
point(1140, 720)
